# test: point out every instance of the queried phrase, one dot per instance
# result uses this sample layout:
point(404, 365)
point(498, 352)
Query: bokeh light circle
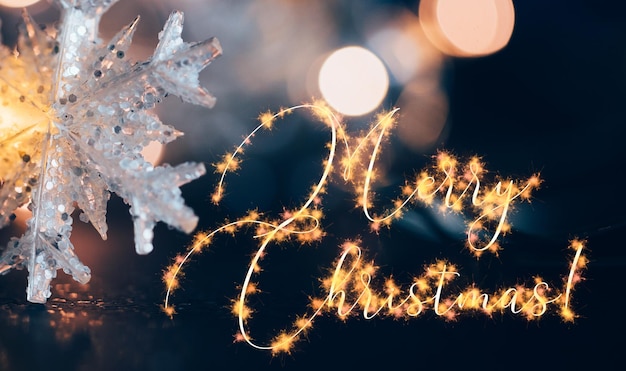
point(468, 28)
point(17, 3)
point(353, 81)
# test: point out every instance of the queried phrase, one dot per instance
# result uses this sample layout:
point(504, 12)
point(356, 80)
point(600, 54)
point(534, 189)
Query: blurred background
point(530, 86)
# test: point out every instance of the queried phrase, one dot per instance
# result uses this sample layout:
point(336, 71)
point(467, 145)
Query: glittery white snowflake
point(74, 117)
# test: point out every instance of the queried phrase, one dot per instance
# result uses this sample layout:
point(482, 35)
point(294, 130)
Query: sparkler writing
point(353, 288)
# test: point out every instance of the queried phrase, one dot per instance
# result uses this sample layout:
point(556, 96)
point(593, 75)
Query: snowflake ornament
point(75, 114)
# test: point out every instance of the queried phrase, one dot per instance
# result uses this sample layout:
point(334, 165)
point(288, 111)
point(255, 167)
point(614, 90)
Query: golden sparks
point(352, 287)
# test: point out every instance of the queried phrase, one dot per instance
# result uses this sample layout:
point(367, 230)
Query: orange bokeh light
point(468, 28)
point(17, 3)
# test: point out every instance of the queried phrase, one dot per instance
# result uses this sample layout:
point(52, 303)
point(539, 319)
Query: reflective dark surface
point(553, 101)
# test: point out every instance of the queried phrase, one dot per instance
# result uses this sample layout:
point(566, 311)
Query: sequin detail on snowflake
point(75, 114)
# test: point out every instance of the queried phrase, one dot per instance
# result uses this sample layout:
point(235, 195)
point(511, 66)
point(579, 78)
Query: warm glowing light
point(17, 3)
point(353, 81)
point(23, 126)
point(468, 27)
point(353, 288)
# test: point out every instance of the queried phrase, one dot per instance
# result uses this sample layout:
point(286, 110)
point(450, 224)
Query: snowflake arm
point(85, 120)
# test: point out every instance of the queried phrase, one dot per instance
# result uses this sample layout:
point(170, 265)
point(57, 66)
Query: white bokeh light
point(353, 81)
